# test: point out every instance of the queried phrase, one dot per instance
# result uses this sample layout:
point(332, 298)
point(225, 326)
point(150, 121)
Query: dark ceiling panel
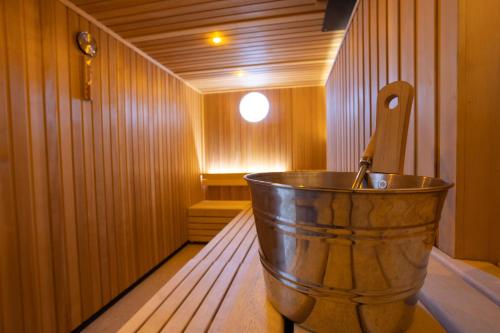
point(337, 14)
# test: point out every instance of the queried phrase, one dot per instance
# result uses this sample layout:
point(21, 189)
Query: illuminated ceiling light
point(216, 39)
point(254, 107)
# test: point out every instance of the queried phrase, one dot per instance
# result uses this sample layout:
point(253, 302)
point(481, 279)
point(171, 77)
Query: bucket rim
point(439, 188)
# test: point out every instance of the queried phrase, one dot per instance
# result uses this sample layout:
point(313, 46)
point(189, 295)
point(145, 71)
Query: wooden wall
point(418, 41)
point(387, 40)
point(92, 195)
point(291, 137)
point(478, 148)
point(227, 193)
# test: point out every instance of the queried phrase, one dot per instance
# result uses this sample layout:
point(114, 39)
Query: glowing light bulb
point(216, 40)
point(254, 107)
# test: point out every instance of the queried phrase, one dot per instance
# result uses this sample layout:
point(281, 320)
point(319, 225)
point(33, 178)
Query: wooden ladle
point(385, 151)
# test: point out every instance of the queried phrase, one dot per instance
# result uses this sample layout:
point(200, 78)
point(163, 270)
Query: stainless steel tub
point(342, 260)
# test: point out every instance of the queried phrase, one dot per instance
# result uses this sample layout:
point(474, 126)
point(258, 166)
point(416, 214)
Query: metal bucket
point(343, 260)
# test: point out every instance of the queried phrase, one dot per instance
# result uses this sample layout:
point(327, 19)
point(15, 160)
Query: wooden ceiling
point(265, 43)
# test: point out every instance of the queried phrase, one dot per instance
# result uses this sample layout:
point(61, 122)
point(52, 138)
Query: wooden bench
point(223, 179)
point(208, 217)
point(222, 290)
point(225, 186)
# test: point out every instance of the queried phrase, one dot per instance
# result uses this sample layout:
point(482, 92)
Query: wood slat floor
point(222, 290)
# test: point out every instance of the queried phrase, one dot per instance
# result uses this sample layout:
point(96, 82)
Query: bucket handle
point(386, 149)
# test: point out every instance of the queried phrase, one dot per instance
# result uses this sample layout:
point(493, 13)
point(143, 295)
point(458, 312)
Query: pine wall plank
point(478, 118)
point(448, 50)
point(92, 194)
point(291, 137)
point(399, 41)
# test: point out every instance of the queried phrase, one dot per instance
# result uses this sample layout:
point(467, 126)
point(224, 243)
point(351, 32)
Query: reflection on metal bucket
point(342, 260)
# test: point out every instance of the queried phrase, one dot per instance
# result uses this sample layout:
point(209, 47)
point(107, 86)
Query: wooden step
point(208, 217)
point(218, 208)
point(458, 305)
point(223, 179)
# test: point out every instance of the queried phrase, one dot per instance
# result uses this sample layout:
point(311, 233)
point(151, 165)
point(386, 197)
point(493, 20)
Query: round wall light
point(254, 107)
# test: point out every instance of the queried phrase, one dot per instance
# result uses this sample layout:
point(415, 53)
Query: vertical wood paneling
point(348, 102)
point(478, 153)
point(72, 260)
point(398, 42)
point(99, 162)
point(366, 74)
point(291, 137)
point(22, 176)
point(420, 42)
point(374, 68)
point(360, 83)
point(448, 44)
point(393, 40)
point(331, 150)
point(398, 36)
point(54, 160)
point(425, 86)
point(407, 68)
point(308, 128)
point(382, 43)
point(41, 223)
point(10, 276)
point(92, 195)
point(354, 91)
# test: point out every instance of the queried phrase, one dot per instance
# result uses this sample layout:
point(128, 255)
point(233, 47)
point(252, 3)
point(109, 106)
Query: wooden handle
point(387, 145)
point(370, 149)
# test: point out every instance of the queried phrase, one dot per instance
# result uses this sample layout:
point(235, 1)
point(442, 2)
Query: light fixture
point(254, 107)
point(216, 38)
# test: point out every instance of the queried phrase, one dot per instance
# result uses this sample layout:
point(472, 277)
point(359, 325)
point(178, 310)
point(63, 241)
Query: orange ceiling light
point(216, 39)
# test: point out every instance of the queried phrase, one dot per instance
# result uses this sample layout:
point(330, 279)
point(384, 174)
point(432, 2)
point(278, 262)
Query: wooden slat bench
point(208, 217)
point(222, 290)
point(225, 186)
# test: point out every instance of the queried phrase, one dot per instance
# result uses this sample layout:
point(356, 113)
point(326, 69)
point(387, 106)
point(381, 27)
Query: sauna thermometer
point(88, 46)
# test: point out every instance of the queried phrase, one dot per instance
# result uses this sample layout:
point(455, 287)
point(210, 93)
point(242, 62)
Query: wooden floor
point(124, 309)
